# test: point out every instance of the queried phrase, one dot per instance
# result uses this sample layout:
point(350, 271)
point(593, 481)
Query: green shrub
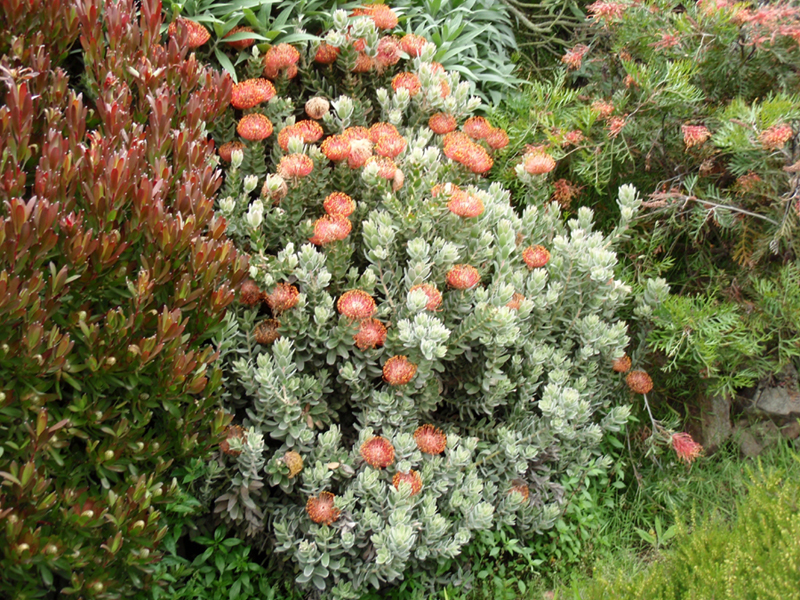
point(114, 274)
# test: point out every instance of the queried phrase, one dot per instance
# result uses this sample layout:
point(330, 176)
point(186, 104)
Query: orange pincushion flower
point(326, 54)
point(398, 370)
point(442, 123)
point(388, 52)
point(249, 293)
point(412, 44)
point(463, 277)
point(430, 439)
point(287, 133)
point(310, 130)
point(330, 228)
point(356, 133)
point(251, 92)
point(371, 334)
point(240, 44)
point(538, 163)
point(407, 81)
point(775, 137)
point(294, 461)
point(386, 166)
point(382, 130)
point(266, 332)
point(283, 297)
point(468, 153)
point(231, 432)
point(295, 166)
point(477, 128)
point(685, 447)
point(364, 63)
point(198, 35)
point(383, 16)
point(497, 138)
point(522, 490)
point(465, 205)
point(321, 508)
point(226, 150)
point(390, 146)
point(378, 452)
point(254, 127)
point(339, 203)
point(536, 256)
point(516, 301)
point(360, 152)
point(639, 382)
point(695, 135)
point(412, 478)
point(281, 57)
point(356, 305)
point(335, 148)
point(434, 295)
point(622, 364)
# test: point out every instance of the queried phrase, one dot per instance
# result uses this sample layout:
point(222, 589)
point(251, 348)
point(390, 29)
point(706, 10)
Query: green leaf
point(226, 64)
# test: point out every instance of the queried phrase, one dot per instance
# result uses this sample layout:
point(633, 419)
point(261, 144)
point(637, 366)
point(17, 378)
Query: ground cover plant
point(114, 273)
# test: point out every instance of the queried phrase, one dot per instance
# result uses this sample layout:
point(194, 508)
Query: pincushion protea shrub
point(114, 273)
point(428, 368)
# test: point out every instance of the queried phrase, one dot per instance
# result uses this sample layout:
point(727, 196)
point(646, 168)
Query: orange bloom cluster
point(574, 57)
point(371, 334)
point(442, 123)
point(364, 63)
point(388, 141)
point(251, 92)
point(321, 509)
point(430, 439)
point(622, 364)
point(377, 452)
point(389, 50)
point(249, 293)
point(295, 166)
point(463, 277)
point(339, 203)
point(465, 205)
point(538, 163)
point(564, 191)
point(434, 295)
point(335, 147)
point(226, 150)
point(458, 147)
point(383, 16)
point(748, 182)
point(602, 108)
point(775, 137)
point(254, 127)
point(606, 11)
point(283, 297)
point(497, 138)
point(536, 256)
point(412, 478)
point(281, 58)
point(326, 54)
point(240, 44)
point(407, 81)
point(685, 447)
point(356, 305)
point(615, 126)
point(198, 35)
point(330, 228)
point(309, 131)
point(412, 44)
point(639, 382)
point(398, 370)
point(574, 137)
point(477, 128)
point(695, 135)
point(266, 331)
point(386, 166)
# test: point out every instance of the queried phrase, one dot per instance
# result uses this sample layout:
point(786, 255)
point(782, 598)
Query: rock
point(791, 431)
point(748, 445)
point(754, 439)
point(782, 400)
point(715, 421)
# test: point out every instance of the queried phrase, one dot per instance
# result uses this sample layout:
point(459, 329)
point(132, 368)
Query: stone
point(715, 421)
point(791, 431)
point(755, 438)
point(780, 401)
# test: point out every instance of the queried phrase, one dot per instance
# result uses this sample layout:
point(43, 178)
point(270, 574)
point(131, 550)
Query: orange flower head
point(310, 130)
point(477, 128)
point(497, 139)
point(294, 461)
point(377, 452)
point(442, 123)
point(266, 332)
point(371, 334)
point(339, 203)
point(573, 138)
point(226, 150)
point(516, 301)
point(407, 81)
point(335, 148)
point(412, 44)
point(639, 382)
point(430, 439)
point(622, 364)
point(383, 16)
point(463, 277)
point(240, 44)
point(602, 108)
point(326, 54)
point(282, 57)
point(434, 295)
point(330, 228)
point(321, 508)
point(695, 135)
point(388, 52)
point(386, 166)
point(465, 205)
point(538, 163)
point(398, 370)
point(466, 152)
point(356, 133)
point(382, 130)
point(364, 63)
point(249, 293)
point(564, 191)
point(287, 133)
point(775, 137)
point(295, 166)
point(283, 297)
point(254, 127)
point(251, 92)
point(412, 478)
point(356, 305)
point(198, 35)
point(536, 256)
point(685, 447)
point(231, 432)
point(615, 126)
point(360, 152)
point(574, 57)
point(390, 147)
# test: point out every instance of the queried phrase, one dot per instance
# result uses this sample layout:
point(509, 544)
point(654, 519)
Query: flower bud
point(227, 205)
point(317, 107)
point(250, 183)
point(237, 156)
point(109, 454)
point(255, 215)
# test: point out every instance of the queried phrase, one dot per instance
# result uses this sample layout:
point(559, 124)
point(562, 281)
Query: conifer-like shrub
point(114, 274)
point(411, 360)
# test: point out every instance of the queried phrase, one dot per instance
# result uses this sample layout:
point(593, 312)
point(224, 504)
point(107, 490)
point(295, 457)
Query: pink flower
point(606, 11)
point(695, 135)
point(685, 447)
point(574, 57)
point(775, 137)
